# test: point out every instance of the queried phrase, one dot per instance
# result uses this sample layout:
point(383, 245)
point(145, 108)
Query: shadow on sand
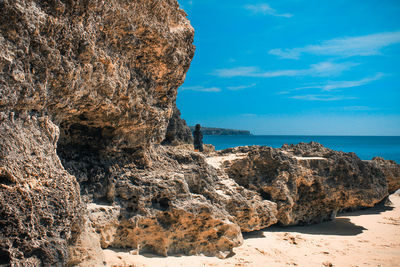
point(378, 209)
point(147, 254)
point(340, 226)
point(144, 254)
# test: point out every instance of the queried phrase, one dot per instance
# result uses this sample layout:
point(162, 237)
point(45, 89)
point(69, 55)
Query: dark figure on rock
point(198, 138)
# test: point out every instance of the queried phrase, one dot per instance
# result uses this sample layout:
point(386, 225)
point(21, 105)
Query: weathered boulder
point(98, 76)
point(108, 68)
point(309, 182)
point(40, 206)
point(86, 250)
point(87, 91)
point(392, 172)
point(178, 132)
point(167, 201)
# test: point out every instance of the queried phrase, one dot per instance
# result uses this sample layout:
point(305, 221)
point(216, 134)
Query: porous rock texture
point(166, 200)
point(308, 182)
point(94, 83)
point(72, 72)
point(178, 132)
point(87, 91)
point(391, 170)
point(40, 206)
point(109, 68)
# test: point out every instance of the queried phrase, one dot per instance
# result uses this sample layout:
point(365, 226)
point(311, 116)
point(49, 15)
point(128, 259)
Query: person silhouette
point(198, 138)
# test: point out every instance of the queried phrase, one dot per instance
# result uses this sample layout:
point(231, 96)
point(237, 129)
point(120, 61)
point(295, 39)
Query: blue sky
point(297, 67)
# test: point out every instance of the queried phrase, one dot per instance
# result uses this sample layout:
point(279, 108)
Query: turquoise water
point(366, 147)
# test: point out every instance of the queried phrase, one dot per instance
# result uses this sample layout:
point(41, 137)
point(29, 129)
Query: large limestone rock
point(40, 206)
point(87, 91)
point(104, 76)
point(97, 76)
point(107, 68)
point(308, 182)
point(391, 171)
point(178, 132)
point(166, 201)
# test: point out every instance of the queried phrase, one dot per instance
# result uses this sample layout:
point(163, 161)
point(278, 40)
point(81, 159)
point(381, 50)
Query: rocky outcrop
point(391, 171)
point(87, 91)
point(94, 83)
point(308, 182)
point(93, 76)
point(166, 201)
point(40, 205)
point(108, 69)
point(178, 132)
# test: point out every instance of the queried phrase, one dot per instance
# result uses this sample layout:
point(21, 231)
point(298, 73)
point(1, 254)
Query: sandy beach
point(363, 238)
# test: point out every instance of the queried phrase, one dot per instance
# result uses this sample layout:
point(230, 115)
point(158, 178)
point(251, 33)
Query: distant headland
point(221, 131)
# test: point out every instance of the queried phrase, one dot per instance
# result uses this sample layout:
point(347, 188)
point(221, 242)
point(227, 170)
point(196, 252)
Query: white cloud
point(357, 108)
point(329, 68)
point(283, 93)
point(321, 97)
point(241, 87)
point(332, 85)
point(366, 45)
point(236, 72)
point(200, 89)
point(249, 115)
point(286, 53)
point(265, 9)
point(322, 69)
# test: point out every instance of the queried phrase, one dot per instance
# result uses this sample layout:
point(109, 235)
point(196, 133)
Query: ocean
point(366, 147)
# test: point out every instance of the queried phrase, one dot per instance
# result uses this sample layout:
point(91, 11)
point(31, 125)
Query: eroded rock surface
point(109, 68)
point(178, 132)
point(309, 182)
point(392, 172)
point(40, 205)
point(166, 201)
point(96, 76)
point(87, 91)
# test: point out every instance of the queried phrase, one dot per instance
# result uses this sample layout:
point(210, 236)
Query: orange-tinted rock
point(94, 75)
point(392, 172)
point(308, 182)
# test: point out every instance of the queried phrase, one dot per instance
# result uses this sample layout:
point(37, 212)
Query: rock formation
point(177, 132)
point(97, 67)
point(309, 182)
point(87, 91)
point(94, 83)
point(391, 171)
point(96, 76)
point(171, 201)
point(198, 139)
point(40, 207)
